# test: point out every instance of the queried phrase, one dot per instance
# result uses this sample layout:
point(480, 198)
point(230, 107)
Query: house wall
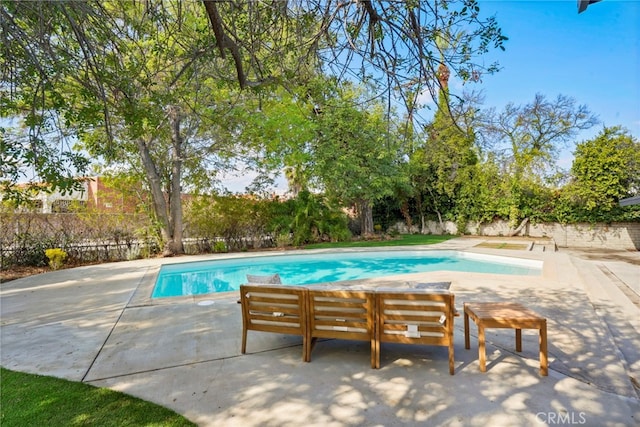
point(103, 198)
point(94, 194)
point(48, 200)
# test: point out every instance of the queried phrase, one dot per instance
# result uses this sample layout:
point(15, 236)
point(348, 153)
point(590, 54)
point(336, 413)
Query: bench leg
point(374, 358)
point(481, 349)
point(518, 339)
point(451, 360)
point(544, 363)
point(306, 348)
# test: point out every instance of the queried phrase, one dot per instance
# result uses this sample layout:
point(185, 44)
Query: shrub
point(315, 219)
point(30, 250)
point(133, 252)
point(283, 240)
point(234, 219)
point(56, 257)
point(219, 247)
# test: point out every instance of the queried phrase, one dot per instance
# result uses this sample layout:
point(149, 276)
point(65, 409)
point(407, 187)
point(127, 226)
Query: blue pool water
point(203, 277)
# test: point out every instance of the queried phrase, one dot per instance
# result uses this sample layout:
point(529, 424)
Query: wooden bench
point(278, 309)
point(341, 314)
point(504, 315)
point(408, 316)
point(412, 316)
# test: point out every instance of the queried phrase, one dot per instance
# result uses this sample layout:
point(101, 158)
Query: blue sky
point(593, 57)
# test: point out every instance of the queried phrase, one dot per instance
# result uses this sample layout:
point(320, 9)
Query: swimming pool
point(203, 277)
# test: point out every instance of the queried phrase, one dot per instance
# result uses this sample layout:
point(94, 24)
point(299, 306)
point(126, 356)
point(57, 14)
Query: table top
point(501, 311)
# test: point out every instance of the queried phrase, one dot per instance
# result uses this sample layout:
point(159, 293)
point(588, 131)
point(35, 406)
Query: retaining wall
point(618, 236)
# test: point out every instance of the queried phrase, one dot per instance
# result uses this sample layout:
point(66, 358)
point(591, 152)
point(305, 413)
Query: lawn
point(401, 240)
point(35, 400)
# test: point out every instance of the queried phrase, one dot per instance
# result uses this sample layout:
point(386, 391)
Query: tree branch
point(224, 42)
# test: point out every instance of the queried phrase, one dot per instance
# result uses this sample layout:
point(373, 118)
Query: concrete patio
point(99, 325)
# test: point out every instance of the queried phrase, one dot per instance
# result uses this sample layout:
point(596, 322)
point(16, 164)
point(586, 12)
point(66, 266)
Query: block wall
point(618, 236)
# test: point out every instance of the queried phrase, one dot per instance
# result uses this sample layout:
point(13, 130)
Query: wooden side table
point(507, 315)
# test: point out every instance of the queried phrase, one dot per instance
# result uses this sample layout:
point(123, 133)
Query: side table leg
point(544, 363)
point(481, 349)
point(518, 339)
point(467, 344)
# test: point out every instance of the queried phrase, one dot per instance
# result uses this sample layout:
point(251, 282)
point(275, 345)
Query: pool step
point(543, 246)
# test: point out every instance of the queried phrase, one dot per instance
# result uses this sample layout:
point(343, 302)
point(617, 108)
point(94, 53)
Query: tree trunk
point(160, 207)
point(366, 217)
point(404, 208)
point(167, 205)
point(175, 245)
point(435, 208)
point(520, 227)
point(419, 207)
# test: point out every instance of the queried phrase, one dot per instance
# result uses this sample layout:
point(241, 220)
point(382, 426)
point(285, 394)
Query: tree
point(296, 179)
point(160, 96)
point(528, 139)
point(356, 155)
point(278, 130)
point(605, 169)
point(154, 102)
point(446, 161)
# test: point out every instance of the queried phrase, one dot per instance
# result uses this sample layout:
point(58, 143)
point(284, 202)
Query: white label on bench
point(412, 331)
point(278, 314)
point(443, 319)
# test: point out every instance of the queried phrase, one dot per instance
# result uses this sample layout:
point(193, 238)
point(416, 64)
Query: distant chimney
point(583, 4)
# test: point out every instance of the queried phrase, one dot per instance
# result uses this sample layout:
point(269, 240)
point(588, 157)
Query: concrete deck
point(99, 325)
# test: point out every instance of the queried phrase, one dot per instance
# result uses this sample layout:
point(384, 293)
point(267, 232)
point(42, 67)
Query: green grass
point(502, 245)
point(401, 240)
point(35, 400)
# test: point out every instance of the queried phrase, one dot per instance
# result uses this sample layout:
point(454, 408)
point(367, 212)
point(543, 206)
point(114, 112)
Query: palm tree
point(296, 179)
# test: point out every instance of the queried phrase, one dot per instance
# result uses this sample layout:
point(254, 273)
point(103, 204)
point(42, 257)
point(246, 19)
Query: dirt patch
point(503, 245)
point(20, 272)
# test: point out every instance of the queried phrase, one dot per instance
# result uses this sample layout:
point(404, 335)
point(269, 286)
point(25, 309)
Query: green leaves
point(355, 155)
point(605, 170)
